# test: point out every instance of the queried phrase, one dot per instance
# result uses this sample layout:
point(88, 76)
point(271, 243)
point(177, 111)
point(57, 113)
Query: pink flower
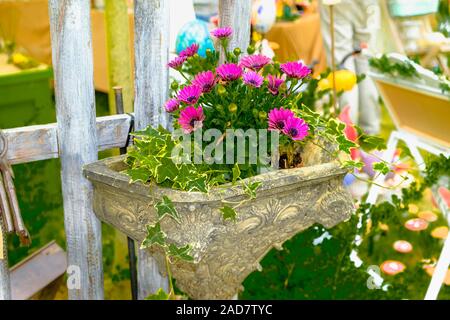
point(229, 71)
point(172, 105)
point(191, 119)
point(255, 62)
point(296, 128)
point(222, 33)
point(295, 69)
point(177, 62)
point(190, 51)
point(190, 94)
point(205, 80)
point(278, 118)
point(274, 84)
point(253, 79)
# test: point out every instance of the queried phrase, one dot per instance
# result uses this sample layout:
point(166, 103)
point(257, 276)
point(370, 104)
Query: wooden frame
point(76, 123)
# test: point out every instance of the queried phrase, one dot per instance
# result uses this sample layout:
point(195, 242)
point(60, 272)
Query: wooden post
point(151, 45)
point(119, 59)
point(236, 14)
point(5, 283)
point(70, 28)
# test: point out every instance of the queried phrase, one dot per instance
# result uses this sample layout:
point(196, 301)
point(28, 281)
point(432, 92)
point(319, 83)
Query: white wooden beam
point(34, 143)
point(236, 14)
point(70, 28)
point(151, 45)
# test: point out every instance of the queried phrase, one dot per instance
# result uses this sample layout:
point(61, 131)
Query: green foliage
point(228, 213)
point(384, 65)
point(165, 207)
point(158, 295)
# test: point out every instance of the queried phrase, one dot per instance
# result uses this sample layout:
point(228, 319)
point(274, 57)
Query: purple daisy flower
point(274, 84)
point(191, 119)
point(172, 105)
point(229, 71)
point(190, 94)
point(177, 62)
point(205, 80)
point(190, 51)
point(255, 62)
point(222, 33)
point(253, 79)
point(295, 69)
point(278, 118)
point(296, 128)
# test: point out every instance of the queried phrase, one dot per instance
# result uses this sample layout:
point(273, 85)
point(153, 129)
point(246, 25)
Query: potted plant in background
point(206, 203)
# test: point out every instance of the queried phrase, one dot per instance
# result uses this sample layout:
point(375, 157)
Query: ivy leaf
point(236, 173)
point(344, 144)
point(228, 213)
point(154, 236)
point(198, 184)
point(139, 174)
point(381, 167)
point(251, 187)
point(181, 253)
point(350, 164)
point(165, 207)
point(158, 295)
point(369, 143)
point(166, 171)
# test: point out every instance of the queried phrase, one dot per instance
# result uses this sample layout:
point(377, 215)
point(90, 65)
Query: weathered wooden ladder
point(78, 135)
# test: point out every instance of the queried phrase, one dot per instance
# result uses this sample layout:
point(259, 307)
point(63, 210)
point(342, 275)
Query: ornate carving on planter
point(225, 252)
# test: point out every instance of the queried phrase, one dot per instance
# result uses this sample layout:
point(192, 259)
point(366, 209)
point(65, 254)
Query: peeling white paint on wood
point(70, 28)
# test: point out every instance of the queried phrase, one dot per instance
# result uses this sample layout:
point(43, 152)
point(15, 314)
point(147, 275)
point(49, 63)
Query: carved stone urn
point(225, 252)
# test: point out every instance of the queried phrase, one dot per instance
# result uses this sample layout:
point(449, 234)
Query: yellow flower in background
point(345, 81)
point(19, 59)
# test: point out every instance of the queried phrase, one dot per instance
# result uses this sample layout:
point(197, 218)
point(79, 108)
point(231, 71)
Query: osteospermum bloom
point(191, 119)
point(190, 51)
point(190, 94)
point(296, 128)
point(278, 118)
point(172, 105)
point(222, 33)
point(177, 62)
point(229, 71)
point(295, 69)
point(205, 80)
point(253, 79)
point(255, 62)
point(274, 84)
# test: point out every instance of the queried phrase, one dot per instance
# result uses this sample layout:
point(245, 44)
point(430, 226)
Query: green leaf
point(228, 213)
point(236, 173)
point(350, 164)
point(158, 295)
point(181, 253)
point(154, 236)
point(344, 144)
point(139, 174)
point(166, 171)
point(165, 207)
point(381, 167)
point(369, 143)
point(251, 187)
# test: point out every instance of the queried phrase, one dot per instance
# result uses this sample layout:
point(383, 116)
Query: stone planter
point(225, 252)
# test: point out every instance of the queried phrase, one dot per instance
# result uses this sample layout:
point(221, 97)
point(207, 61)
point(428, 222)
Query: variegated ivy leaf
point(181, 253)
point(251, 187)
point(139, 174)
point(381, 167)
point(154, 236)
point(165, 207)
point(228, 213)
point(350, 164)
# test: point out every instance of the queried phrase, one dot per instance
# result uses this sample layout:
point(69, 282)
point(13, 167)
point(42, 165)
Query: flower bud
point(221, 90)
point(255, 112)
point(237, 52)
point(232, 108)
point(262, 115)
point(251, 49)
point(174, 85)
